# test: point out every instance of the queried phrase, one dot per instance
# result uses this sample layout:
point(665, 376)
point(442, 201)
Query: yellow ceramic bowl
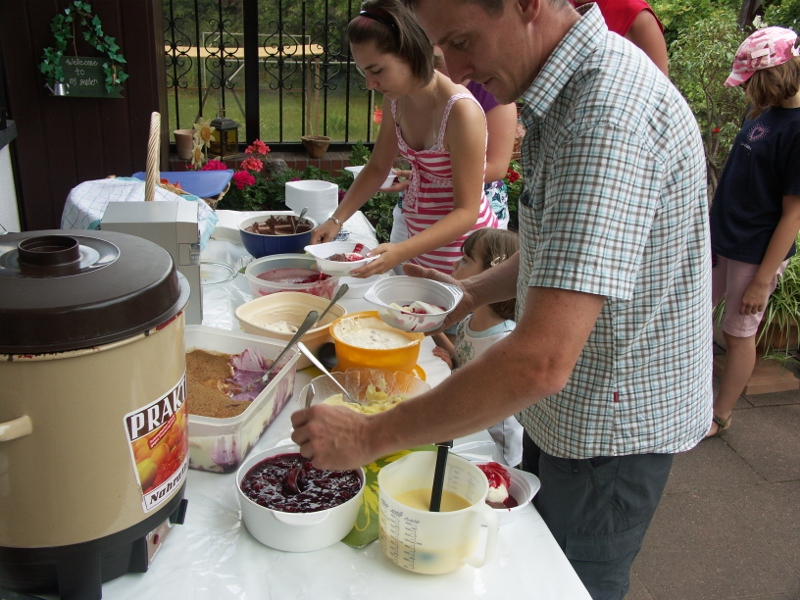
point(394, 359)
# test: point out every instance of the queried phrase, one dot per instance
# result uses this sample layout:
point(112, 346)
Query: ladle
point(310, 355)
point(307, 324)
point(442, 450)
point(300, 218)
point(336, 297)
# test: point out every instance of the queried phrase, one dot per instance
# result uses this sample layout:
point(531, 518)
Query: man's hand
point(332, 437)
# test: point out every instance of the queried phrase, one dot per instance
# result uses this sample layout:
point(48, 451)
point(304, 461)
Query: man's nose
point(457, 68)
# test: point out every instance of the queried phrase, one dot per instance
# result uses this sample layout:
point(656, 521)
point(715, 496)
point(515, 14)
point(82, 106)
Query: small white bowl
point(523, 488)
point(386, 183)
point(404, 290)
point(321, 252)
point(295, 532)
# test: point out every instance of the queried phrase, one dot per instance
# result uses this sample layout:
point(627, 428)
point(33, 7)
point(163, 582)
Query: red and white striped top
point(429, 195)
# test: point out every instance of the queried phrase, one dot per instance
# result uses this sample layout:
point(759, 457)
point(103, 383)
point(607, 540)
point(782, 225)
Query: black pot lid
point(69, 289)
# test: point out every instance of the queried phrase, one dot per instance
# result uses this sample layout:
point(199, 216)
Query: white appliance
point(173, 226)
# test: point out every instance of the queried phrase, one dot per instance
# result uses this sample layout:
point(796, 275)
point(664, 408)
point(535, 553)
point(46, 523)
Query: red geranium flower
point(214, 165)
point(257, 147)
point(252, 164)
point(243, 179)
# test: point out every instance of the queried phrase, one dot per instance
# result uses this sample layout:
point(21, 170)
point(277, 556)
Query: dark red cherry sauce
point(289, 483)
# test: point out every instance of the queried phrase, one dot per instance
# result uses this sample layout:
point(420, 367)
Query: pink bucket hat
point(767, 47)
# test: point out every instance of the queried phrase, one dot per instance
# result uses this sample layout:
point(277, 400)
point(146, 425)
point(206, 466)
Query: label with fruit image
point(159, 440)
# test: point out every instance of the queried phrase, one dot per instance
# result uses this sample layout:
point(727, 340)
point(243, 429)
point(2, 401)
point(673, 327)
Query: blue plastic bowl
point(266, 245)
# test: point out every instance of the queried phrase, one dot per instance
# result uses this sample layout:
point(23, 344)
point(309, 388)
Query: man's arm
point(532, 362)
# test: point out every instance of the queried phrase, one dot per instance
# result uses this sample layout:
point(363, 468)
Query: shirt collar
point(583, 38)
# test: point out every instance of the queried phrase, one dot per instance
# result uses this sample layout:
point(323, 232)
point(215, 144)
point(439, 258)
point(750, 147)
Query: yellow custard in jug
point(420, 499)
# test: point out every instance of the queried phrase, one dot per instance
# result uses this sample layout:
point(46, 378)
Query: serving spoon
point(336, 297)
point(300, 218)
point(310, 355)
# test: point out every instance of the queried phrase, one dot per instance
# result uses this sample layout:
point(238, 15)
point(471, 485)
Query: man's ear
point(528, 9)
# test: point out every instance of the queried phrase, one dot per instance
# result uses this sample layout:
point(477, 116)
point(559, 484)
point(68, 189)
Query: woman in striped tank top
point(435, 124)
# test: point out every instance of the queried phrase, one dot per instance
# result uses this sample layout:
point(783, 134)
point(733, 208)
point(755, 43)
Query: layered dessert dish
point(223, 385)
point(290, 483)
point(371, 333)
point(279, 225)
point(418, 307)
point(499, 485)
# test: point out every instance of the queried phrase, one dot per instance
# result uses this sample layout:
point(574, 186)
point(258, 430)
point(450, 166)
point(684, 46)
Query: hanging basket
point(316, 145)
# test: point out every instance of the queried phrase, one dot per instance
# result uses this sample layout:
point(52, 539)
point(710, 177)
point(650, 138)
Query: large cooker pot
point(93, 425)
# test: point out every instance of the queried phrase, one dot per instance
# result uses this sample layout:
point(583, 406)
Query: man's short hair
point(492, 7)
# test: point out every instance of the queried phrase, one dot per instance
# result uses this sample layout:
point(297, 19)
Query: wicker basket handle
point(153, 150)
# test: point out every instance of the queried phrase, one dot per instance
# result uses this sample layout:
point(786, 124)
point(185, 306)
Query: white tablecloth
point(213, 557)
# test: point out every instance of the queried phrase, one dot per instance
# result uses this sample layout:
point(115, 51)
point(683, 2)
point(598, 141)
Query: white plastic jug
point(434, 542)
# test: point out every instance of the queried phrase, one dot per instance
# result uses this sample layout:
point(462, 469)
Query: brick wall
point(333, 162)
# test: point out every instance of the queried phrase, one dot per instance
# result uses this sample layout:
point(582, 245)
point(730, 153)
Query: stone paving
point(728, 526)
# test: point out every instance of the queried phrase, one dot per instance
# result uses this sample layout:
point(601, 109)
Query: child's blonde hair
point(769, 87)
point(489, 247)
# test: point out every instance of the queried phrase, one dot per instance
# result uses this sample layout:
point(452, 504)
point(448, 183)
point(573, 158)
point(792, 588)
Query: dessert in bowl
point(413, 303)
point(289, 273)
point(510, 490)
point(362, 339)
point(274, 234)
point(339, 258)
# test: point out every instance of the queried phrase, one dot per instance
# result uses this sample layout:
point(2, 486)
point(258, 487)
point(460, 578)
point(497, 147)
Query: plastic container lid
point(203, 184)
point(65, 290)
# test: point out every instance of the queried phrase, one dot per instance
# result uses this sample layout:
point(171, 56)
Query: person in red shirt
point(635, 21)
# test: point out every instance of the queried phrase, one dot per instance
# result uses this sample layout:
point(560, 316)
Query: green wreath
point(62, 26)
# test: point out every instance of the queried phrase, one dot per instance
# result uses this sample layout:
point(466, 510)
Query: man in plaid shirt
point(609, 367)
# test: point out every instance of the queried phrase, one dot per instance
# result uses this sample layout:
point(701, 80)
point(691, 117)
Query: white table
point(212, 556)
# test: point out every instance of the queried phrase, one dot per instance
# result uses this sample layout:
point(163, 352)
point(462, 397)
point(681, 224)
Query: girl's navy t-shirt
point(762, 167)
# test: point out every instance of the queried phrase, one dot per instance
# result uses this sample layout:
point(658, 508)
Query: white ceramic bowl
point(295, 532)
point(356, 381)
point(386, 183)
point(256, 316)
point(405, 290)
point(321, 252)
point(260, 287)
point(523, 488)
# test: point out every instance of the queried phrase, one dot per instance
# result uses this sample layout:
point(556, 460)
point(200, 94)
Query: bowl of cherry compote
point(290, 505)
point(289, 273)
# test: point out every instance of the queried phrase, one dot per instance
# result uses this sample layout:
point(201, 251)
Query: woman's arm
point(646, 34)
point(465, 138)
point(368, 181)
point(756, 296)
point(501, 125)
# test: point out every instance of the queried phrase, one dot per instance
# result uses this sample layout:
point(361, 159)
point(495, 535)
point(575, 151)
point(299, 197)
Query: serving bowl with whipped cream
point(279, 315)
point(339, 258)
point(510, 490)
point(414, 303)
point(362, 339)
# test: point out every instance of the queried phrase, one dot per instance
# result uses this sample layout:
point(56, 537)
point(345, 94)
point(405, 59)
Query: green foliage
point(359, 155)
point(61, 26)
point(785, 13)
point(680, 16)
point(700, 61)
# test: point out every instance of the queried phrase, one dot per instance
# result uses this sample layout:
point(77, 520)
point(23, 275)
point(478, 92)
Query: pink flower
point(252, 164)
point(341, 195)
point(295, 179)
point(243, 179)
point(377, 115)
point(258, 147)
point(214, 165)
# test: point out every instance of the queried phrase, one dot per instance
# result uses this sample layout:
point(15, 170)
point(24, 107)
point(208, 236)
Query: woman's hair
point(392, 28)
point(488, 247)
point(769, 87)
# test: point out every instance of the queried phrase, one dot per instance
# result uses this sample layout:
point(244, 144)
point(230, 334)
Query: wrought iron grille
point(280, 68)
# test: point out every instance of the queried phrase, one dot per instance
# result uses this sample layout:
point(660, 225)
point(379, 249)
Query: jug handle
point(11, 430)
point(489, 518)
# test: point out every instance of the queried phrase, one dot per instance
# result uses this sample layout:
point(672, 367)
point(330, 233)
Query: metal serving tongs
point(310, 356)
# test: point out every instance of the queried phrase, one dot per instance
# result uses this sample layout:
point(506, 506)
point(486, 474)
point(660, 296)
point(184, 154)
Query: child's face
point(466, 267)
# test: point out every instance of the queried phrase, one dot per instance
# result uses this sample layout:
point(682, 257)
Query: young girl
point(439, 129)
point(755, 217)
point(483, 250)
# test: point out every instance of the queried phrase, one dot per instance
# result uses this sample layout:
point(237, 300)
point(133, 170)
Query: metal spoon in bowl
point(300, 218)
point(307, 324)
point(310, 356)
point(336, 297)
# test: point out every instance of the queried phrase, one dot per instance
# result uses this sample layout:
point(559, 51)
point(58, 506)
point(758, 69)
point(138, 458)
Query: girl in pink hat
point(755, 216)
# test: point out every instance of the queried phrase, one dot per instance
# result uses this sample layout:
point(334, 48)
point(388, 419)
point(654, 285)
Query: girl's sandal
point(722, 426)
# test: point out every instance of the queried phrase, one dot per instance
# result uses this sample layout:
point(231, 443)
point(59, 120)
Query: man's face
point(485, 48)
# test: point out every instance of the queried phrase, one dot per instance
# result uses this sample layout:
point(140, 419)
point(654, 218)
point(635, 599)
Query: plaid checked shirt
point(615, 204)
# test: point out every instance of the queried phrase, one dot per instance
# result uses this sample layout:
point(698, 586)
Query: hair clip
point(388, 22)
point(497, 260)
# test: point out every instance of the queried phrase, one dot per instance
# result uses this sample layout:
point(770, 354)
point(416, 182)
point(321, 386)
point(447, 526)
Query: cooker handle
point(11, 430)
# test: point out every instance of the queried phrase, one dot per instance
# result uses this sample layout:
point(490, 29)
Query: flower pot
point(184, 139)
point(316, 145)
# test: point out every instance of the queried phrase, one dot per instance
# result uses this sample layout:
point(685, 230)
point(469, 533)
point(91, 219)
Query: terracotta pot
point(316, 145)
point(184, 143)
